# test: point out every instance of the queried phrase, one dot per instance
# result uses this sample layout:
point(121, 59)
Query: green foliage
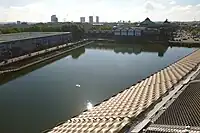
point(77, 31)
point(9, 30)
point(102, 27)
point(194, 31)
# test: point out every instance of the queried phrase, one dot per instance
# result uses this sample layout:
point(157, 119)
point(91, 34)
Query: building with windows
point(146, 31)
point(97, 19)
point(54, 19)
point(17, 44)
point(82, 19)
point(133, 31)
point(18, 22)
point(91, 19)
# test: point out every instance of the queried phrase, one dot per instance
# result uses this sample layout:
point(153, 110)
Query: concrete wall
point(3, 47)
point(21, 47)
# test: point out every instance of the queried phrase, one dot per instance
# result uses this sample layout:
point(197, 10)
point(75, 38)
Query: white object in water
point(77, 85)
point(89, 106)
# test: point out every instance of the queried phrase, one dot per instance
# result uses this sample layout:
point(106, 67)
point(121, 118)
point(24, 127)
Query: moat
point(38, 99)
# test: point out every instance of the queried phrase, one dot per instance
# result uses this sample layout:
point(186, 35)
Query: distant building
point(91, 19)
point(82, 19)
point(18, 22)
point(97, 19)
point(166, 22)
point(147, 23)
point(54, 19)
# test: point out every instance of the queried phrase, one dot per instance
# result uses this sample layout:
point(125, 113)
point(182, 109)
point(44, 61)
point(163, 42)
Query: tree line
point(102, 27)
point(195, 31)
point(76, 30)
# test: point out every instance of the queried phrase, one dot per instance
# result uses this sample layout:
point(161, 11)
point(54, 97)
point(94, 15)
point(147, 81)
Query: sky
point(107, 10)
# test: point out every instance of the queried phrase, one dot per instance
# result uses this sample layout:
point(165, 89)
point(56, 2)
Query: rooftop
point(147, 22)
point(181, 113)
point(184, 110)
point(166, 21)
point(26, 35)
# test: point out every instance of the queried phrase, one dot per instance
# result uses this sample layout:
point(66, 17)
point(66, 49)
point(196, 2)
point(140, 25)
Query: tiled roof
point(112, 115)
point(166, 22)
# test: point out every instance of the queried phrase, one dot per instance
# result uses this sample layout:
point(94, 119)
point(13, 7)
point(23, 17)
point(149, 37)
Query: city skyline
point(108, 10)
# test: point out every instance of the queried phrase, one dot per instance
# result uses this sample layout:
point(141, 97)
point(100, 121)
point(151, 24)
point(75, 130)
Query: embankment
point(39, 57)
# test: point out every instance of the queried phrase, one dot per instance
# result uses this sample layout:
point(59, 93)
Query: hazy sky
point(107, 10)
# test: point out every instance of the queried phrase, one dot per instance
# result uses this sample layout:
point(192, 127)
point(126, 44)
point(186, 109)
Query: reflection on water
point(78, 53)
point(40, 97)
point(132, 48)
point(11, 76)
point(117, 48)
point(89, 106)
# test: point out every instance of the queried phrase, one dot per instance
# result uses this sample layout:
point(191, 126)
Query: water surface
point(42, 98)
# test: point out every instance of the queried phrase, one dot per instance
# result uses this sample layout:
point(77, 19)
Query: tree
point(77, 30)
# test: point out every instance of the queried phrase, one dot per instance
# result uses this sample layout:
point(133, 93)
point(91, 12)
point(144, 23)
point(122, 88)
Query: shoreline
point(41, 56)
point(44, 51)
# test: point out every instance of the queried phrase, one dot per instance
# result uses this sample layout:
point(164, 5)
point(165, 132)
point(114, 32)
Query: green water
point(38, 99)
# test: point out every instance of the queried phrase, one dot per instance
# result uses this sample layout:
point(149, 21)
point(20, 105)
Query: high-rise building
point(18, 22)
point(91, 19)
point(97, 19)
point(54, 19)
point(82, 19)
